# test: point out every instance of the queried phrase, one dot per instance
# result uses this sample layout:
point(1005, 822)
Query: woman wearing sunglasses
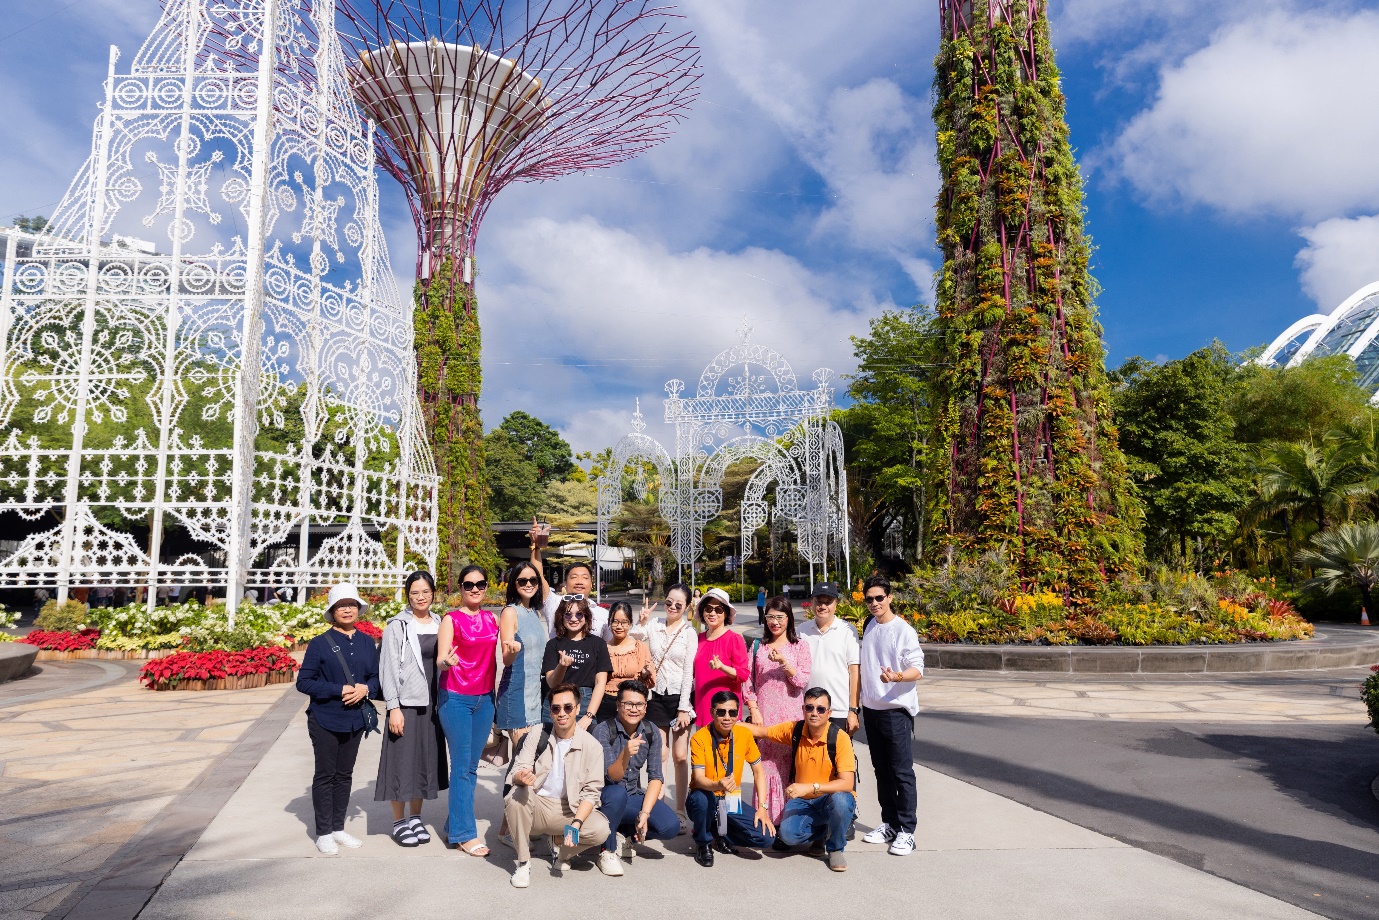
point(720, 662)
point(576, 658)
point(522, 631)
point(673, 643)
point(466, 650)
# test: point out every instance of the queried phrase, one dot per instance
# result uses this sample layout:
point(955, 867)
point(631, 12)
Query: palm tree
point(1321, 481)
point(1347, 555)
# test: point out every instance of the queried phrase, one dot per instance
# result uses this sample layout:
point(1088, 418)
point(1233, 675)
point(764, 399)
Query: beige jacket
point(583, 765)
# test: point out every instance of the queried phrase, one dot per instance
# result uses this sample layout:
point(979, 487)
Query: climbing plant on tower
point(1025, 450)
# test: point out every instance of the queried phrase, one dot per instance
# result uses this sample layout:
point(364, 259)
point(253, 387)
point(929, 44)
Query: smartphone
point(543, 534)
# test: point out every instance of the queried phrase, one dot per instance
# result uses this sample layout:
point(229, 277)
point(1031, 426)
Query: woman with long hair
point(412, 765)
point(778, 675)
point(673, 642)
point(720, 661)
point(466, 649)
point(577, 658)
point(522, 632)
point(630, 657)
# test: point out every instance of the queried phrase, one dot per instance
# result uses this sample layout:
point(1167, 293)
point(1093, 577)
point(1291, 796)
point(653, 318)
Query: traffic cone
point(1364, 617)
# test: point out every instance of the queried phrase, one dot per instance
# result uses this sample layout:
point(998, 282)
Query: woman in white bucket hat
point(340, 674)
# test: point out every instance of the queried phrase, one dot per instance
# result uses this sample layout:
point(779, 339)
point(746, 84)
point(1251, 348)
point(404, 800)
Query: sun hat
point(344, 592)
point(719, 595)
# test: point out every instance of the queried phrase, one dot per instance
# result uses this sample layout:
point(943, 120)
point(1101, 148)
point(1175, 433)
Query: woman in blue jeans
point(466, 649)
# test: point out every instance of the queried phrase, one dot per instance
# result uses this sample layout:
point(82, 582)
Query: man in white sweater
point(892, 662)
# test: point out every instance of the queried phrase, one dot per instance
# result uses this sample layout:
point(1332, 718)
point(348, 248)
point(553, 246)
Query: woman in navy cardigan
point(335, 716)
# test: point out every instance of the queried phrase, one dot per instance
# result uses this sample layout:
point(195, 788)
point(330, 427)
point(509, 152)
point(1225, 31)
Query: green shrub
point(67, 617)
point(1369, 692)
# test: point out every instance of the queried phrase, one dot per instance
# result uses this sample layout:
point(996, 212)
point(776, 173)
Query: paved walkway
point(1296, 696)
point(980, 855)
point(94, 773)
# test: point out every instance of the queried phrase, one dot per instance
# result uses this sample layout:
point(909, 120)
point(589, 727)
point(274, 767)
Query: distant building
point(1351, 329)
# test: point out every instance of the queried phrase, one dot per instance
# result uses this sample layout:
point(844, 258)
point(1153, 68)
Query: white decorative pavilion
point(1351, 329)
point(233, 403)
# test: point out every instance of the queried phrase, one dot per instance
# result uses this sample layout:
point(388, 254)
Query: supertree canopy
point(470, 95)
point(1025, 453)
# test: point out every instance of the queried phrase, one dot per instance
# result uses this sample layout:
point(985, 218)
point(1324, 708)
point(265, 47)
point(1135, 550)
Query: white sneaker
point(555, 842)
point(347, 840)
point(904, 844)
point(881, 834)
point(628, 853)
point(327, 845)
point(609, 864)
point(521, 876)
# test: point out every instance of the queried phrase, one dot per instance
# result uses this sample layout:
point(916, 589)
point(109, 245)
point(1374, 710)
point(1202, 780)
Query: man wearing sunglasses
point(892, 663)
point(820, 801)
point(718, 753)
point(557, 784)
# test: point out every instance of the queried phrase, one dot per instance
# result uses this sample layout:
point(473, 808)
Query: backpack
point(542, 743)
point(795, 737)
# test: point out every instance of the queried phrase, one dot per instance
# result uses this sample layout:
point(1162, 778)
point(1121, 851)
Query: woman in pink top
point(777, 676)
point(466, 651)
point(720, 662)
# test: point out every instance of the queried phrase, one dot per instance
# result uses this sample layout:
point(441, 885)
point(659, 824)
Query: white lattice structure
point(1352, 329)
point(233, 405)
point(762, 415)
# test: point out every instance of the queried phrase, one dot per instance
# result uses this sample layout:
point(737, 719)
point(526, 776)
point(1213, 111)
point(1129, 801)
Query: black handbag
point(366, 706)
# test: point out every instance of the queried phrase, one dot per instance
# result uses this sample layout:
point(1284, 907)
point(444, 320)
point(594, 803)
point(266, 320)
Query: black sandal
point(404, 834)
point(422, 834)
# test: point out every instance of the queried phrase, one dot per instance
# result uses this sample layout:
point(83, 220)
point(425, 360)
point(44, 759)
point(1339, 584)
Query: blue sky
point(1229, 155)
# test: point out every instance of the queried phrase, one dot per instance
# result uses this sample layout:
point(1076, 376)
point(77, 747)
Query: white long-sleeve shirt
point(893, 645)
point(672, 651)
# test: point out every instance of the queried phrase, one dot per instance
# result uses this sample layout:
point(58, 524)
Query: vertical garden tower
point(470, 95)
point(1025, 454)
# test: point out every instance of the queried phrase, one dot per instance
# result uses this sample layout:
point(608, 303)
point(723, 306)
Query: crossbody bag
point(366, 706)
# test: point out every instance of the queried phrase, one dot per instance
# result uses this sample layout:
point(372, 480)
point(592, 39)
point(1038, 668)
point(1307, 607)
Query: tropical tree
point(1345, 556)
point(1296, 403)
point(541, 445)
point(514, 482)
point(1322, 481)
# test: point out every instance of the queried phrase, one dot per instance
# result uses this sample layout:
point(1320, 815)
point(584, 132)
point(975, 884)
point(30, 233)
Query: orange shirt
point(811, 761)
point(745, 751)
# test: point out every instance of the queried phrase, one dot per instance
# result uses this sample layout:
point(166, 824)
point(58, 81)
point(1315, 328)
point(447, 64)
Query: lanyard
point(732, 740)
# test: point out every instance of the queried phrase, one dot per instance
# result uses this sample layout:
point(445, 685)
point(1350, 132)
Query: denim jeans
point(466, 721)
point(826, 818)
point(890, 733)
point(702, 808)
point(621, 808)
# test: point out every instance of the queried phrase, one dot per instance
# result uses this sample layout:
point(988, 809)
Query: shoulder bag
point(366, 706)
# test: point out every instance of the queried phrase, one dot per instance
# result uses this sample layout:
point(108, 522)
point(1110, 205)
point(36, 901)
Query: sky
point(1228, 152)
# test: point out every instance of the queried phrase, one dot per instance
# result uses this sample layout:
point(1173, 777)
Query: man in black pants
point(892, 662)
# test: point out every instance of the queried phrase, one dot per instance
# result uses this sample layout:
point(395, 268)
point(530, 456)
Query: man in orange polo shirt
point(820, 802)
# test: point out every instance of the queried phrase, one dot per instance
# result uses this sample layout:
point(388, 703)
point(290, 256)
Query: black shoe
point(779, 846)
point(724, 847)
point(705, 855)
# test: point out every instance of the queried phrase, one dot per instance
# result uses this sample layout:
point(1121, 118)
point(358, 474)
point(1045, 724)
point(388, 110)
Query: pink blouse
point(476, 641)
point(732, 651)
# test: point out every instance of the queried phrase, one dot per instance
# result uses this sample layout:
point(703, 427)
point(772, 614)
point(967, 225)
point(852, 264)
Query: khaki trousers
point(529, 813)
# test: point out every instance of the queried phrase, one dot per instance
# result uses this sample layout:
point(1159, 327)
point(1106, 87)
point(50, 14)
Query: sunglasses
point(874, 598)
point(810, 709)
point(721, 713)
point(561, 709)
point(528, 582)
point(674, 604)
point(714, 608)
point(572, 597)
point(474, 585)
point(574, 614)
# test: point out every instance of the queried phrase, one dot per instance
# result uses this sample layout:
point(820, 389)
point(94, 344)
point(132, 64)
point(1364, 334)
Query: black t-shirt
point(590, 656)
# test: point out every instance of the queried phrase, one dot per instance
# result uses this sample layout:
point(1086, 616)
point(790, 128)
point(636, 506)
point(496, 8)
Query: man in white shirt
point(834, 651)
point(579, 579)
point(892, 662)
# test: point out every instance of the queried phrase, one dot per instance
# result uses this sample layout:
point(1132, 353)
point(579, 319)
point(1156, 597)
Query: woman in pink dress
point(720, 662)
point(467, 653)
point(778, 675)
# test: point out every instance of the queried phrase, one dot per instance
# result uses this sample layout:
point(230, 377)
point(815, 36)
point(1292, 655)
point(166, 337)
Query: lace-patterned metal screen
point(748, 405)
point(231, 403)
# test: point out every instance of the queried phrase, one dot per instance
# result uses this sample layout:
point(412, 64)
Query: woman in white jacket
point(673, 642)
point(412, 766)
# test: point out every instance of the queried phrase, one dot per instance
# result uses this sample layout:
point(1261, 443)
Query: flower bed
point(220, 670)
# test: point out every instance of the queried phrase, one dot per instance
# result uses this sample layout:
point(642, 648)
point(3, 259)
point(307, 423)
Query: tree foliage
point(541, 445)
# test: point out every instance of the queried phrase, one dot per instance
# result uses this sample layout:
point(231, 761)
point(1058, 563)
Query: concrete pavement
point(980, 855)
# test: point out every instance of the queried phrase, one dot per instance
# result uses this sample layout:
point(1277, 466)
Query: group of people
point(597, 706)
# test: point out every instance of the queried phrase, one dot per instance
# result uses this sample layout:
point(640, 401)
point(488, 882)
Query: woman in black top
point(575, 657)
point(335, 716)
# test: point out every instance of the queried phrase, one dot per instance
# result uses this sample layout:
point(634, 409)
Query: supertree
point(1026, 455)
point(470, 95)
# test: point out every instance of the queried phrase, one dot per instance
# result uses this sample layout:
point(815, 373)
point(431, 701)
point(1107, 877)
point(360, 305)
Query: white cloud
point(594, 316)
point(1342, 256)
point(1268, 118)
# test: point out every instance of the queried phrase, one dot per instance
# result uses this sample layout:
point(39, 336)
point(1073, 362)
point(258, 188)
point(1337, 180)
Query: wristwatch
point(577, 822)
point(856, 710)
point(816, 788)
